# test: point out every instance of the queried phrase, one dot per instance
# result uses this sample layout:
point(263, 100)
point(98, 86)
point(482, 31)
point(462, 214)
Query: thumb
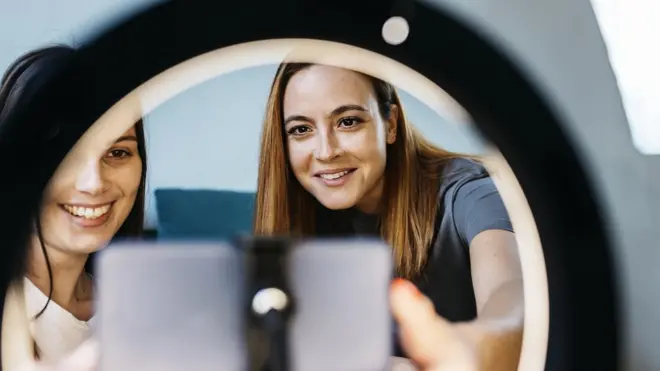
point(429, 340)
point(417, 321)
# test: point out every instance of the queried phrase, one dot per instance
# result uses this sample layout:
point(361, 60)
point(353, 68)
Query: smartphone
point(342, 320)
point(181, 306)
point(170, 306)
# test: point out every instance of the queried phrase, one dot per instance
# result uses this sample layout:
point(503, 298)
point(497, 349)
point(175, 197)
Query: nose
point(90, 178)
point(327, 147)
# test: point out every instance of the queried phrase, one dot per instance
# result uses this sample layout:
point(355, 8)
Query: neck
point(67, 269)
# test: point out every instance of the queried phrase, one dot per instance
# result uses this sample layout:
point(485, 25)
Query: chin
point(89, 246)
point(336, 203)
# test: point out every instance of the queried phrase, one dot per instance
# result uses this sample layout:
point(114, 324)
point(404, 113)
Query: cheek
point(128, 178)
point(367, 146)
point(50, 191)
point(63, 180)
point(376, 159)
point(299, 156)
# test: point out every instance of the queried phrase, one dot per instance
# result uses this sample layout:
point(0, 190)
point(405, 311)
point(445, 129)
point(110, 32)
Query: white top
point(56, 332)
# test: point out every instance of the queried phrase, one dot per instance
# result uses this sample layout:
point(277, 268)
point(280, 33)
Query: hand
point(84, 358)
point(430, 341)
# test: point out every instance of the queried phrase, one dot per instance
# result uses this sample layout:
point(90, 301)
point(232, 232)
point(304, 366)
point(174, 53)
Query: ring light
point(504, 105)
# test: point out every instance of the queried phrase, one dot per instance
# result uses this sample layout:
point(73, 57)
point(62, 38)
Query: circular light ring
point(157, 90)
point(504, 105)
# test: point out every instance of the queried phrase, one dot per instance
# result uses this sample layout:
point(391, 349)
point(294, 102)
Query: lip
point(88, 223)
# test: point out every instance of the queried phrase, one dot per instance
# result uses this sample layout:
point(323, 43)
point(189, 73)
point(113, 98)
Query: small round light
point(395, 30)
point(267, 299)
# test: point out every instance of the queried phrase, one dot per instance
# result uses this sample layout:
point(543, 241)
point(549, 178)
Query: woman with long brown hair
point(96, 196)
point(338, 158)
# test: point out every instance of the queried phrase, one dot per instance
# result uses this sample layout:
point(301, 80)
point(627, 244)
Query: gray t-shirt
point(468, 204)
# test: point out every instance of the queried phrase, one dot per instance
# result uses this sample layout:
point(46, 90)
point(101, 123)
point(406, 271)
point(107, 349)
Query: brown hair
point(412, 180)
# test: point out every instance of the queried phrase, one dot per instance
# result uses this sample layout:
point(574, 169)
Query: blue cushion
point(203, 214)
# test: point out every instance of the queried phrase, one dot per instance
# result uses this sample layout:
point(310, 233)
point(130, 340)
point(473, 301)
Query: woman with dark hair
point(338, 158)
point(97, 194)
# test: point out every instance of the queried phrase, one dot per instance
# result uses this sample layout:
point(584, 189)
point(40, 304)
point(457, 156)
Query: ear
point(392, 123)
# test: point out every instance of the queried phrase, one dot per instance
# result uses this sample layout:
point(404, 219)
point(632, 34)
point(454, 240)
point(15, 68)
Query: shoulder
point(456, 173)
point(463, 165)
point(17, 341)
point(472, 200)
point(459, 171)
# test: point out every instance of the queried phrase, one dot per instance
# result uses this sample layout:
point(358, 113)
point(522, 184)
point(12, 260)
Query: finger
point(407, 300)
point(420, 327)
point(428, 339)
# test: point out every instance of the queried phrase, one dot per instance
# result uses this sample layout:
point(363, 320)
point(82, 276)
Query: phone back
point(181, 306)
point(170, 306)
point(342, 319)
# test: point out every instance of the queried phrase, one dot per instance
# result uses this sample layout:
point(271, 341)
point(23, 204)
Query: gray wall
point(28, 24)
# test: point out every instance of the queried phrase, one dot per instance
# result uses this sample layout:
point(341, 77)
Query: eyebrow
point(347, 107)
point(125, 138)
point(337, 111)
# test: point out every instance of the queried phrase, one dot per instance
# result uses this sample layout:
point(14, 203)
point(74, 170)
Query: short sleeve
point(478, 207)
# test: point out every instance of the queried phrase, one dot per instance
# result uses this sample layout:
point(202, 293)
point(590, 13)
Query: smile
point(334, 176)
point(87, 212)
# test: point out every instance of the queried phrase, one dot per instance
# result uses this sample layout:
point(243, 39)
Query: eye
point(349, 122)
point(299, 130)
point(118, 154)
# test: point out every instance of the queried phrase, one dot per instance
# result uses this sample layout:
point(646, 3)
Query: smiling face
point(337, 137)
point(91, 195)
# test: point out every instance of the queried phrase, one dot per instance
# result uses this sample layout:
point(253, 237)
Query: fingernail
point(406, 285)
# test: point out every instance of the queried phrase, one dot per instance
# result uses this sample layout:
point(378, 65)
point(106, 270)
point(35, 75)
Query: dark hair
point(19, 83)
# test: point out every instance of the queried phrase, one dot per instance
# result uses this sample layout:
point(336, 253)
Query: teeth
point(334, 176)
point(87, 212)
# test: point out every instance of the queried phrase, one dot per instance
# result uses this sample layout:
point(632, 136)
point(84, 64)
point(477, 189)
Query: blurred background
point(202, 145)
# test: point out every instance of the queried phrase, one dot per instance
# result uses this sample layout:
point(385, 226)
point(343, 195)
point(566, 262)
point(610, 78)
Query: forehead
point(130, 132)
point(92, 145)
point(103, 141)
point(325, 88)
